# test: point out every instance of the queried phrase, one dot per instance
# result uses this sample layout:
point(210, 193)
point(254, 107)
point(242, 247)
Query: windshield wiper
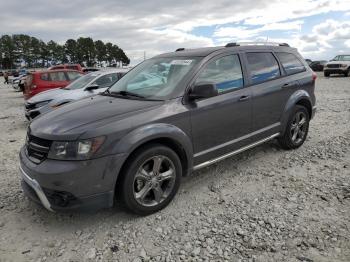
point(127, 93)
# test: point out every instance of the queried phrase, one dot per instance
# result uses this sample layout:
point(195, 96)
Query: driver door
point(220, 124)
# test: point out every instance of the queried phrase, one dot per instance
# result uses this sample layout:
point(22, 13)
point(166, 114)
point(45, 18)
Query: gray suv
point(170, 115)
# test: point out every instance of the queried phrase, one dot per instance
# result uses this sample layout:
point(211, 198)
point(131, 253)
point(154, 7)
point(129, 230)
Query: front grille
point(333, 66)
point(37, 148)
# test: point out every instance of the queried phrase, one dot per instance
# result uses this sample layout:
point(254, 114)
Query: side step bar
point(210, 162)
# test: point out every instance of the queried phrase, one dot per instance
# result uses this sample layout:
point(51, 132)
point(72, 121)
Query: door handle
point(243, 98)
point(287, 85)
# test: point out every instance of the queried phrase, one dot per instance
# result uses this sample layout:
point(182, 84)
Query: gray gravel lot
point(265, 204)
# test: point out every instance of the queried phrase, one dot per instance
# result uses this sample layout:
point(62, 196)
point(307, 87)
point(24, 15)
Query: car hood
point(72, 120)
point(46, 95)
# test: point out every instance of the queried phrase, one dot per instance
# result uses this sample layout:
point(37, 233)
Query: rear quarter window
point(291, 63)
point(263, 67)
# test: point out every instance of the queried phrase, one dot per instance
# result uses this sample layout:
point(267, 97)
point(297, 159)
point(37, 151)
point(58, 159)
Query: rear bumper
point(314, 109)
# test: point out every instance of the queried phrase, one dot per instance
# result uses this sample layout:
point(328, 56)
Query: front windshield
point(155, 78)
point(342, 58)
point(81, 82)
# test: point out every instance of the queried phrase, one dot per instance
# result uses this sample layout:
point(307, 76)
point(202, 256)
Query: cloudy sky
point(320, 29)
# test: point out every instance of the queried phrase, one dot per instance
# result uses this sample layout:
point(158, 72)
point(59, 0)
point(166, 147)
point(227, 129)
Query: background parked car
point(18, 82)
point(85, 86)
point(90, 69)
point(318, 65)
point(37, 82)
point(338, 65)
point(76, 67)
point(308, 61)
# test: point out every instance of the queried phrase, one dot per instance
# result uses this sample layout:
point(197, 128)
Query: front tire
point(297, 129)
point(150, 179)
point(346, 74)
point(326, 74)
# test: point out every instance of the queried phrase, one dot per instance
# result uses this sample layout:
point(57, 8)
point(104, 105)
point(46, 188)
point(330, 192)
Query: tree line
point(32, 52)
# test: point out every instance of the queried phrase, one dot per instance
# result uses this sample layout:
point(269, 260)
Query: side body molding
point(147, 133)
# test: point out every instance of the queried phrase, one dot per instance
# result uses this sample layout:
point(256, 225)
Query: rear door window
point(291, 63)
point(225, 72)
point(263, 67)
point(58, 76)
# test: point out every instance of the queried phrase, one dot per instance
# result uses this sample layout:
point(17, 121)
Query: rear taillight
point(314, 76)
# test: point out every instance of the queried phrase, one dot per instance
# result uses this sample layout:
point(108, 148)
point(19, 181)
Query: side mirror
point(203, 90)
point(92, 87)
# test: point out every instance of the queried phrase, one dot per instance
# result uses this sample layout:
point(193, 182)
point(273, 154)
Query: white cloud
point(163, 25)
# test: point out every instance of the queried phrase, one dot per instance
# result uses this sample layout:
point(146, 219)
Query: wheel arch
point(300, 97)
point(164, 134)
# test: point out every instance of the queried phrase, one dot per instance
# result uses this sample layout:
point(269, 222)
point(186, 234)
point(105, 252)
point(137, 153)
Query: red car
point(40, 81)
point(67, 66)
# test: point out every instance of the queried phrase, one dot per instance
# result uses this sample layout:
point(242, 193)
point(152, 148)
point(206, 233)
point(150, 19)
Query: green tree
point(86, 50)
point(71, 50)
point(101, 51)
point(8, 51)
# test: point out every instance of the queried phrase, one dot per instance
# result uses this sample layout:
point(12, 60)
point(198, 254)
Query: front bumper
point(335, 70)
point(71, 185)
point(36, 187)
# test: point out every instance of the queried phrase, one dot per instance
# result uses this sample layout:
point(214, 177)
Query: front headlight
point(75, 150)
point(343, 65)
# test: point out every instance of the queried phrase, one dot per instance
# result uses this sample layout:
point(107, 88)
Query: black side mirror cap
point(92, 87)
point(203, 90)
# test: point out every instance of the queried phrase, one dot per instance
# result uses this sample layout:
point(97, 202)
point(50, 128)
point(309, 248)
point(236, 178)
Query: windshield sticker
point(181, 62)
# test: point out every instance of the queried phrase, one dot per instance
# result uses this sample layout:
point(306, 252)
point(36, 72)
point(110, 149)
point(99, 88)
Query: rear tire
point(150, 179)
point(296, 130)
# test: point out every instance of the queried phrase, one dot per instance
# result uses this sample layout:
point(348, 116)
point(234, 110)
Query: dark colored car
point(170, 115)
point(90, 69)
point(318, 65)
point(39, 81)
point(308, 61)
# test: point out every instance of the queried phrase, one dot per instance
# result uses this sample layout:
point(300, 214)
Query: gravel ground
point(265, 204)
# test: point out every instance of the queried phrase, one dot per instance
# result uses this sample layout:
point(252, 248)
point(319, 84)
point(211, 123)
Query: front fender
point(292, 101)
point(144, 134)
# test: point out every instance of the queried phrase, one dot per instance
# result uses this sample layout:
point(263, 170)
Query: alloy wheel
point(154, 181)
point(299, 127)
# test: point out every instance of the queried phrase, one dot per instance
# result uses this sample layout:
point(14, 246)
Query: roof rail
point(180, 49)
point(257, 43)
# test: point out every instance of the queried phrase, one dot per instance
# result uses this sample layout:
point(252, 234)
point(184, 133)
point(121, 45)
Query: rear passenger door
point(270, 91)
